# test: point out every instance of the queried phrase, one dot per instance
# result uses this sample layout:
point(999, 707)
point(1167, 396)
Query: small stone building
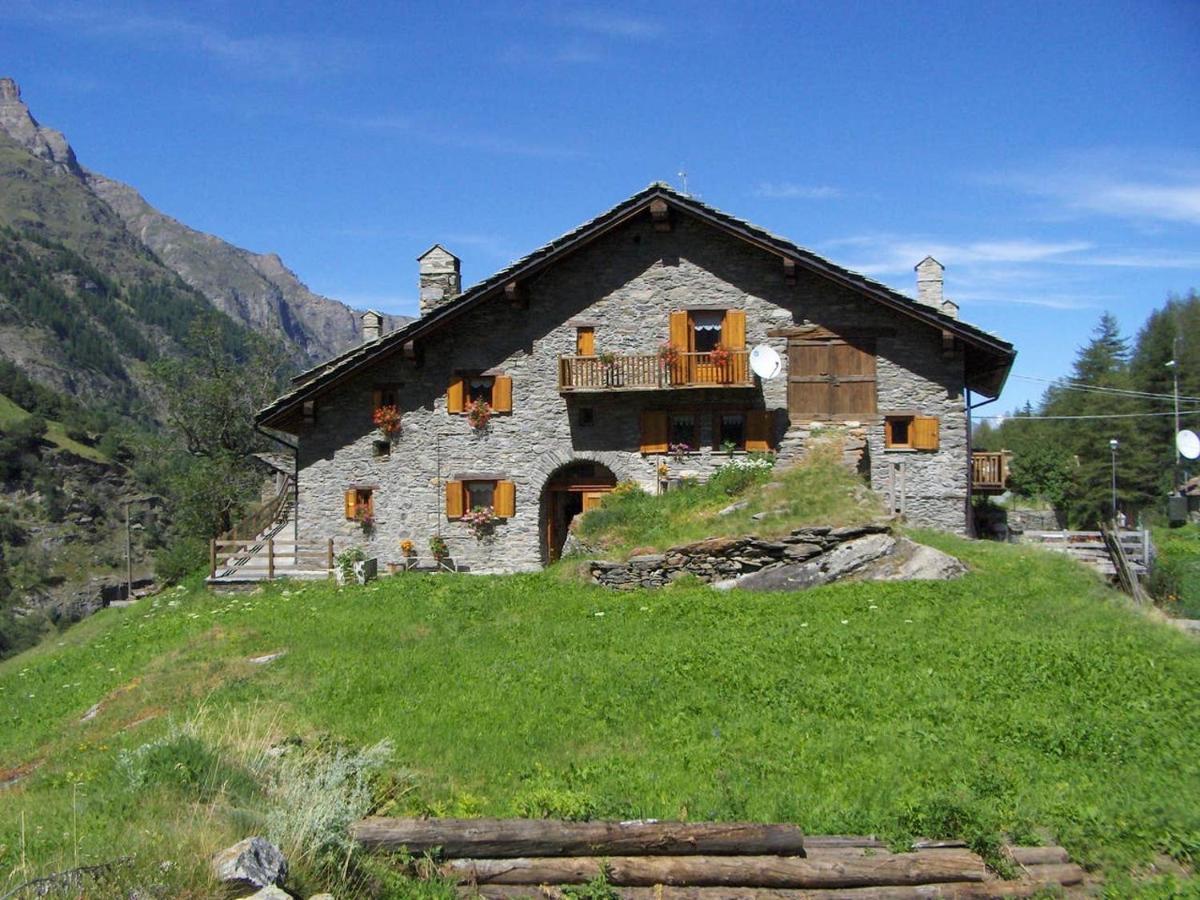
point(617, 349)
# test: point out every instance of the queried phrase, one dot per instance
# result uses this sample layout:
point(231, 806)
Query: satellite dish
point(1188, 444)
point(765, 362)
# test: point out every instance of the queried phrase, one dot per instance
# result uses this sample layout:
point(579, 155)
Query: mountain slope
point(43, 188)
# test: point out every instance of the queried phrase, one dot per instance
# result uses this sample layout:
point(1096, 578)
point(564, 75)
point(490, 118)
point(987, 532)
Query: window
point(706, 326)
point(904, 432)
point(462, 496)
point(494, 390)
point(897, 431)
point(308, 411)
point(479, 494)
point(360, 503)
point(381, 449)
point(585, 340)
point(682, 430)
point(730, 429)
point(586, 417)
point(479, 387)
point(385, 395)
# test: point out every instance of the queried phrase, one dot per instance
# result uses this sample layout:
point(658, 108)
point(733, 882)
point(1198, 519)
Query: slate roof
point(993, 356)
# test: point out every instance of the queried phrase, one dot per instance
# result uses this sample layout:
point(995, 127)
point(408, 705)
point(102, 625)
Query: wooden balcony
point(989, 471)
point(648, 372)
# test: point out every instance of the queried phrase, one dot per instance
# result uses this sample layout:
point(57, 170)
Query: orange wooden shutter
point(585, 341)
point(351, 504)
point(654, 431)
point(679, 330)
point(376, 399)
point(733, 329)
point(505, 499)
point(454, 499)
point(593, 499)
point(502, 394)
point(454, 396)
point(925, 434)
point(760, 430)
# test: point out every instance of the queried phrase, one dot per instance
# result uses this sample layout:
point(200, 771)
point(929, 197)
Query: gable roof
point(989, 358)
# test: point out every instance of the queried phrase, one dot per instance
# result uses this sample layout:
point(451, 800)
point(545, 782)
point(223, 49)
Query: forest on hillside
point(1118, 389)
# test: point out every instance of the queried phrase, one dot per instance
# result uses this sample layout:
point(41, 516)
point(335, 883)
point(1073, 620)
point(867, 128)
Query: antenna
point(682, 173)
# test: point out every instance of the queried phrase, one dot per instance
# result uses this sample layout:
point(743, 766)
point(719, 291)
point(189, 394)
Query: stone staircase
point(851, 437)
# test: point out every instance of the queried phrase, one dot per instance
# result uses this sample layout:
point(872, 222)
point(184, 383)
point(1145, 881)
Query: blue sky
point(1047, 153)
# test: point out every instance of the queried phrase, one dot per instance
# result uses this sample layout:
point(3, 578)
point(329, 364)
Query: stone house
point(617, 348)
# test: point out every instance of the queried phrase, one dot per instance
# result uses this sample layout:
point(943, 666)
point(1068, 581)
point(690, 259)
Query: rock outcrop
point(250, 864)
point(808, 557)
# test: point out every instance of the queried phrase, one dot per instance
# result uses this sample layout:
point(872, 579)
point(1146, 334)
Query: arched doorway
point(570, 490)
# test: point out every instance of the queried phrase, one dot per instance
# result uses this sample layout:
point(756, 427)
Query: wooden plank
point(543, 837)
point(1034, 856)
point(831, 869)
point(954, 890)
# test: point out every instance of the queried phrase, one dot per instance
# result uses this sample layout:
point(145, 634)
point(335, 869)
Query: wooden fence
point(649, 371)
point(257, 559)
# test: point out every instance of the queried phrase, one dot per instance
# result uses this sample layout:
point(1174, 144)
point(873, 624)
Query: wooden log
point(841, 841)
point(1035, 856)
point(1054, 873)
point(832, 869)
point(492, 838)
point(952, 890)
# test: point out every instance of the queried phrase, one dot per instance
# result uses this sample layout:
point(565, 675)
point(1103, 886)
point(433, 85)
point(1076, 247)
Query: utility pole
point(128, 556)
point(1173, 365)
point(1112, 445)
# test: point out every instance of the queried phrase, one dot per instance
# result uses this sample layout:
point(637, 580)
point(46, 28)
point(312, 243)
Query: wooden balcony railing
point(989, 471)
point(649, 372)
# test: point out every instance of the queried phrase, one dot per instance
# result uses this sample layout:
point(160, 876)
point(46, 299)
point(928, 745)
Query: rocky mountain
point(44, 189)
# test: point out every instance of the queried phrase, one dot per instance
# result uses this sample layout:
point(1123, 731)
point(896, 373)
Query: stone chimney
point(440, 278)
point(372, 326)
point(929, 282)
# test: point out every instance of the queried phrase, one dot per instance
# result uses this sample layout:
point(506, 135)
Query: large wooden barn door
point(830, 378)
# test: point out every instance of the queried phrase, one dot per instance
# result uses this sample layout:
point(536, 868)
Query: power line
point(1021, 418)
point(1080, 386)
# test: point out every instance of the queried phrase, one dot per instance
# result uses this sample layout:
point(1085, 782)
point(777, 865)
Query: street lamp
point(1173, 365)
point(1112, 445)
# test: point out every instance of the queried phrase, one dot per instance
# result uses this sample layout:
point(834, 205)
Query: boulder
point(251, 864)
point(837, 563)
point(910, 561)
point(274, 893)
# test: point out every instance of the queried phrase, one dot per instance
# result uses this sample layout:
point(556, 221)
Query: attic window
point(707, 327)
point(479, 387)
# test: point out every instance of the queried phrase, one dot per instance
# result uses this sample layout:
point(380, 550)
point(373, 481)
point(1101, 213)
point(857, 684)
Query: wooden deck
point(649, 372)
point(1090, 547)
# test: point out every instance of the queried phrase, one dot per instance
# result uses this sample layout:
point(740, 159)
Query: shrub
point(182, 762)
point(182, 557)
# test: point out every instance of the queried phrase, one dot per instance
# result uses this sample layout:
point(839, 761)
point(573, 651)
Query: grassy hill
point(56, 432)
point(1026, 696)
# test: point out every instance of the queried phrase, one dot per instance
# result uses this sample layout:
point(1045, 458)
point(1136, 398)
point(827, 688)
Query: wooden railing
point(263, 515)
point(989, 470)
point(648, 371)
point(253, 559)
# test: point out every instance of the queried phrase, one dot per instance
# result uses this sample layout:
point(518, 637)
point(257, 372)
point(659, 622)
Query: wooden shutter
point(502, 394)
point(455, 395)
point(593, 499)
point(679, 330)
point(808, 379)
point(853, 384)
point(585, 341)
point(733, 329)
point(654, 431)
point(454, 499)
point(351, 499)
point(760, 430)
point(925, 433)
point(505, 500)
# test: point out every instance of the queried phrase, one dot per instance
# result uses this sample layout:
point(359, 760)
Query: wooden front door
point(830, 379)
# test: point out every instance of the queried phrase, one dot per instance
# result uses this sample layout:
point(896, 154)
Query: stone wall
point(624, 284)
point(719, 559)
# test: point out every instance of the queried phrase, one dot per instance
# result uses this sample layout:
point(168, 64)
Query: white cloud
point(884, 254)
point(786, 190)
point(610, 24)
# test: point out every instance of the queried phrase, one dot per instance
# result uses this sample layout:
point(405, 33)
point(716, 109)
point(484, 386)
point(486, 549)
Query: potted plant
point(720, 357)
point(680, 451)
point(387, 420)
point(728, 447)
point(347, 563)
point(409, 551)
point(479, 413)
point(439, 549)
point(612, 374)
point(480, 520)
point(366, 522)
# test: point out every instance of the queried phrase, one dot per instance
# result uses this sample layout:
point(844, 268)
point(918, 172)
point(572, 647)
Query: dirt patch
point(9, 777)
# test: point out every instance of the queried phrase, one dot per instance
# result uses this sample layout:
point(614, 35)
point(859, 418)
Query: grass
point(1176, 579)
point(1024, 696)
point(56, 432)
point(818, 490)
